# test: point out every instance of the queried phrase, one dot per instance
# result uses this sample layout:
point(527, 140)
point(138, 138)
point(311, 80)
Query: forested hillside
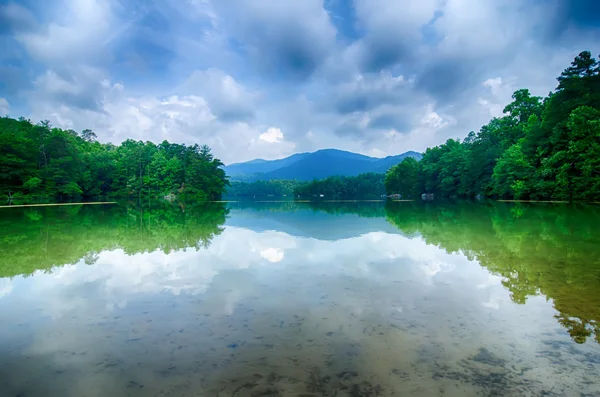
point(369, 185)
point(41, 162)
point(542, 148)
point(364, 186)
point(262, 189)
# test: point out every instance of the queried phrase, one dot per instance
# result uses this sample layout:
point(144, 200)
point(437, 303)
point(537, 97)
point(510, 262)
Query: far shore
point(56, 204)
point(285, 201)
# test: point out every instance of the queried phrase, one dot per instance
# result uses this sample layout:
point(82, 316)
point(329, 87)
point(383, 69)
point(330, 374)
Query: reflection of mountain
point(43, 237)
point(550, 250)
point(322, 221)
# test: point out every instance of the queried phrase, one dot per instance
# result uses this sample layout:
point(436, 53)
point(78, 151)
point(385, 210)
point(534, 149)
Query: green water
point(284, 299)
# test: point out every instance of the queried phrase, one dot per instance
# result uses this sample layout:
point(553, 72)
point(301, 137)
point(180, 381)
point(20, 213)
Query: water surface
point(284, 299)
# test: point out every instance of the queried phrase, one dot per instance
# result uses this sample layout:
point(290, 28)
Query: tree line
point(38, 161)
point(541, 149)
point(261, 189)
point(369, 185)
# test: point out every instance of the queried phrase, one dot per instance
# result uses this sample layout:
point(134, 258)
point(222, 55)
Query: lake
point(300, 299)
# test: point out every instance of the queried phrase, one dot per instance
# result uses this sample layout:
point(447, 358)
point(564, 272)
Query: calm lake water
point(284, 299)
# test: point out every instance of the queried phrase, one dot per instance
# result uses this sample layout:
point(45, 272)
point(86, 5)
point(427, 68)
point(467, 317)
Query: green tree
point(403, 178)
point(364, 186)
point(39, 161)
point(578, 165)
point(540, 149)
point(523, 106)
point(512, 173)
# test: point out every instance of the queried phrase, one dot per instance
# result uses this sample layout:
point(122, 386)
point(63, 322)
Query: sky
point(266, 79)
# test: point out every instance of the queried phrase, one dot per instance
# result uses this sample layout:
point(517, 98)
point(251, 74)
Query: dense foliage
point(262, 189)
point(370, 185)
point(38, 161)
point(540, 149)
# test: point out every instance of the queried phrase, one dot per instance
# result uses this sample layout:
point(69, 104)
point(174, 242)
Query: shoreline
point(56, 204)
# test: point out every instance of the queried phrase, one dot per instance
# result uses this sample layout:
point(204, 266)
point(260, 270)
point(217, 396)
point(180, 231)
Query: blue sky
point(257, 78)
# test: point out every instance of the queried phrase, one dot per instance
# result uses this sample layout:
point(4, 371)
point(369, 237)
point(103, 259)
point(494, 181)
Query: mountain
point(316, 165)
point(260, 166)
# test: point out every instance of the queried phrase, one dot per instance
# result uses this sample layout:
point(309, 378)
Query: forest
point(261, 189)
point(364, 186)
point(541, 149)
point(40, 162)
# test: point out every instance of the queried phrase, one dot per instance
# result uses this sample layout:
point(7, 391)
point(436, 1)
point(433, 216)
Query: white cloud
point(4, 107)
point(227, 98)
point(479, 28)
point(273, 255)
point(292, 37)
point(392, 29)
point(120, 115)
point(79, 35)
point(433, 120)
point(272, 135)
point(204, 9)
point(493, 84)
point(76, 87)
point(498, 95)
point(226, 72)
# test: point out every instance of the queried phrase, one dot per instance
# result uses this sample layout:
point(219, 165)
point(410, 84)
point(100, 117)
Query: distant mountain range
point(316, 165)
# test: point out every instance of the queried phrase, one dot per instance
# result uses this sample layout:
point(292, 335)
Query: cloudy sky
point(264, 78)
